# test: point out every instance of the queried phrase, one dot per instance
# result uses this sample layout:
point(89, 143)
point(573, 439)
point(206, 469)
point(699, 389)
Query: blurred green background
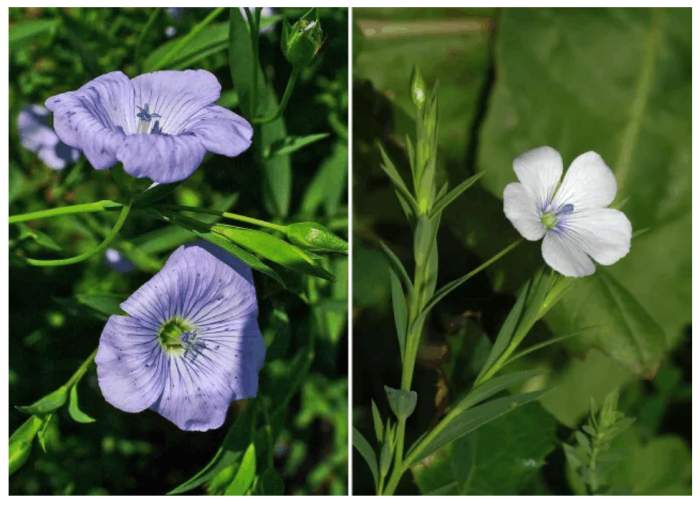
point(55, 314)
point(616, 81)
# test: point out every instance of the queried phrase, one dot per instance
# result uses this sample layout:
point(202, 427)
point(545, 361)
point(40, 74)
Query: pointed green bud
point(418, 89)
point(302, 40)
point(402, 403)
point(315, 237)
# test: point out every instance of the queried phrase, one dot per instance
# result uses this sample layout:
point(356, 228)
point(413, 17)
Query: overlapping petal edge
point(222, 352)
point(159, 125)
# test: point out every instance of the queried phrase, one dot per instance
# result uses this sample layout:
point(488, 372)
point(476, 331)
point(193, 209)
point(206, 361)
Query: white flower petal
point(589, 183)
point(565, 255)
point(521, 209)
point(604, 234)
point(539, 170)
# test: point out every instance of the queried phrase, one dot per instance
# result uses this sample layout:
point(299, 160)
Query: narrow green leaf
point(377, 422)
point(328, 186)
point(362, 445)
point(20, 444)
point(249, 259)
point(232, 448)
point(274, 249)
point(49, 403)
point(289, 145)
point(493, 387)
point(507, 330)
point(200, 33)
point(74, 409)
point(467, 422)
point(245, 475)
point(398, 301)
point(388, 166)
point(448, 198)
point(106, 304)
point(397, 266)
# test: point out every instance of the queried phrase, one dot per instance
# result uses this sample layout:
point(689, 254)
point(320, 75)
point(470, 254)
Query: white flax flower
point(572, 216)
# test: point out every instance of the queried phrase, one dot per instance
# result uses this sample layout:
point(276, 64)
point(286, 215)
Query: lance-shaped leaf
point(465, 417)
point(74, 409)
point(289, 145)
point(362, 445)
point(274, 249)
point(377, 422)
point(232, 448)
point(245, 475)
point(398, 301)
point(49, 403)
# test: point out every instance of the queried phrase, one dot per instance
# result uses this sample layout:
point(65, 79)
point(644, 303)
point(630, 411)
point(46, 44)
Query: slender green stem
point(285, 98)
point(87, 254)
point(228, 215)
point(81, 208)
point(81, 370)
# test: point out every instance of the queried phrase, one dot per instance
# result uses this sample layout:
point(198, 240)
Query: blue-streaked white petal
point(565, 255)
point(539, 170)
point(588, 184)
point(521, 209)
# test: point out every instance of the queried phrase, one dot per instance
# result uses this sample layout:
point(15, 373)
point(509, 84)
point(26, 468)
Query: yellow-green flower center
point(549, 220)
point(174, 334)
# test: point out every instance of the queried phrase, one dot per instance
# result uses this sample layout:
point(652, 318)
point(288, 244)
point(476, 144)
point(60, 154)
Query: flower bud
point(418, 91)
point(302, 40)
point(315, 237)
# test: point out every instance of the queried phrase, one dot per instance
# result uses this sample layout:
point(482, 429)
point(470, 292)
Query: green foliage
point(616, 81)
point(58, 313)
point(503, 457)
point(589, 457)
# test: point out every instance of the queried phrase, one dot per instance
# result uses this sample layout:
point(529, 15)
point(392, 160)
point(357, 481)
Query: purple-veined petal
point(222, 350)
point(521, 209)
point(95, 117)
point(221, 131)
point(589, 183)
point(130, 364)
point(604, 234)
point(175, 95)
point(161, 158)
point(565, 255)
point(539, 170)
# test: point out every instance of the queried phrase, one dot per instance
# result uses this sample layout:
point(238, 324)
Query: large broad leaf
point(661, 466)
point(502, 457)
point(621, 326)
point(465, 417)
point(616, 81)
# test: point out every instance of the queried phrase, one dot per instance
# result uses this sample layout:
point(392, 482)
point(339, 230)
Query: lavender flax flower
point(37, 136)
point(572, 215)
point(190, 342)
point(158, 125)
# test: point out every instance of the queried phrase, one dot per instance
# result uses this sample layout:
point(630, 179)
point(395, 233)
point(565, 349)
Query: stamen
point(144, 120)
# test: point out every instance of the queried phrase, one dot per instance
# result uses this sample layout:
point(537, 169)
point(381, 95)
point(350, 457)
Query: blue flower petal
point(220, 354)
